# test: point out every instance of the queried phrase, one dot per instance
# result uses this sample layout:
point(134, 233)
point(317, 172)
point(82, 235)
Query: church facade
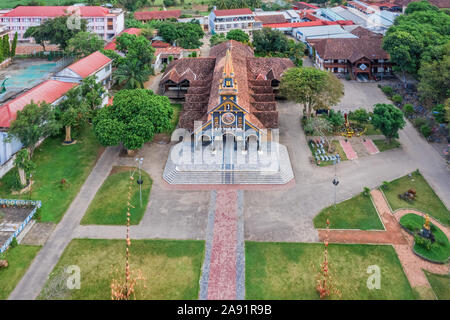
point(230, 94)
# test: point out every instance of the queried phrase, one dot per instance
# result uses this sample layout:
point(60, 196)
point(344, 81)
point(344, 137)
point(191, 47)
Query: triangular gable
point(228, 101)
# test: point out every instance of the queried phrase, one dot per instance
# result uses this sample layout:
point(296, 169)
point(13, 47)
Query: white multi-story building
point(222, 21)
point(105, 22)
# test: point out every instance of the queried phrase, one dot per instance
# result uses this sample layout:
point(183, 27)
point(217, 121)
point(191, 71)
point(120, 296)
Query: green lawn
point(427, 201)
point(370, 130)
point(19, 259)
point(440, 250)
point(355, 213)
point(440, 284)
point(287, 271)
point(382, 145)
point(171, 268)
point(55, 162)
point(110, 203)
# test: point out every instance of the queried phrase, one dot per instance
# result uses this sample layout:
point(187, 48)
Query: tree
point(434, 85)
point(55, 31)
point(168, 31)
point(419, 6)
point(24, 165)
point(361, 115)
point(147, 33)
point(135, 116)
point(33, 122)
point(404, 50)
point(388, 119)
point(132, 74)
point(313, 88)
point(72, 112)
point(83, 44)
point(136, 47)
point(14, 46)
point(217, 39)
point(6, 50)
point(238, 35)
point(270, 40)
point(186, 35)
point(92, 93)
point(336, 118)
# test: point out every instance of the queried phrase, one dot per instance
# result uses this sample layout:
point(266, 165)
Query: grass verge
point(109, 206)
point(440, 284)
point(171, 269)
point(286, 271)
point(355, 213)
point(382, 145)
point(426, 201)
point(19, 259)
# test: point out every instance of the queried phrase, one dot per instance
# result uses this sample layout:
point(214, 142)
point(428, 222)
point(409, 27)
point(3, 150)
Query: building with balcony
point(106, 23)
point(358, 57)
point(222, 21)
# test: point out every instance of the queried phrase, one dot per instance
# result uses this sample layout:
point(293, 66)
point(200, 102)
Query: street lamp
point(335, 181)
point(140, 181)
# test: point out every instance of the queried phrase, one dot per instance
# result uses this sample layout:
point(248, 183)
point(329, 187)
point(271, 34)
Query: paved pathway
point(370, 146)
point(223, 268)
point(395, 235)
point(348, 149)
point(33, 281)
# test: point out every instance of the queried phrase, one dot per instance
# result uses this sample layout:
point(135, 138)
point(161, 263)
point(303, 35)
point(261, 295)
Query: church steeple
point(228, 85)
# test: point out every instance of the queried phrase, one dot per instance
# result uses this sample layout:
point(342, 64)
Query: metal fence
point(13, 202)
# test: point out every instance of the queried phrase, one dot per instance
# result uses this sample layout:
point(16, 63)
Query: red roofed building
point(112, 44)
point(222, 21)
point(160, 44)
point(303, 5)
point(162, 55)
point(106, 23)
point(50, 91)
point(145, 16)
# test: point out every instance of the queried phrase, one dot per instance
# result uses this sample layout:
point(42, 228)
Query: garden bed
point(439, 251)
point(383, 145)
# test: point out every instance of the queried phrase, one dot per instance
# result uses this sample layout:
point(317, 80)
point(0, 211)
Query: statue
point(426, 229)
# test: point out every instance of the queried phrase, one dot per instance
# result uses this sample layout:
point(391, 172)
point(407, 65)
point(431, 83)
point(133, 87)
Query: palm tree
point(132, 74)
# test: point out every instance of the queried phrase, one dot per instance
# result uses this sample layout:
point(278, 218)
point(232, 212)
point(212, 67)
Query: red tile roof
point(112, 44)
point(33, 48)
point(233, 12)
point(48, 91)
point(304, 5)
point(270, 19)
point(90, 64)
point(160, 44)
point(55, 11)
point(153, 15)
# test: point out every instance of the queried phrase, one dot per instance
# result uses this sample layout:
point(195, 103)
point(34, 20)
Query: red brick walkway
point(348, 149)
point(370, 146)
point(395, 235)
point(222, 276)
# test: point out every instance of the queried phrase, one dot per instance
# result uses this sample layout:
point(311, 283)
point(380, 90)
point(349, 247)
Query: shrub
point(11, 180)
point(385, 185)
point(14, 243)
point(336, 118)
point(439, 113)
point(408, 109)
point(397, 98)
point(426, 130)
point(361, 115)
point(419, 122)
point(348, 76)
point(366, 192)
point(387, 90)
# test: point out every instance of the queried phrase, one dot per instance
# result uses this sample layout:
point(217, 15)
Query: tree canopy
point(185, 35)
point(84, 43)
point(55, 31)
point(417, 37)
point(274, 43)
point(133, 119)
point(388, 119)
point(314, 89)
point(238, 35)
point(32, 123)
